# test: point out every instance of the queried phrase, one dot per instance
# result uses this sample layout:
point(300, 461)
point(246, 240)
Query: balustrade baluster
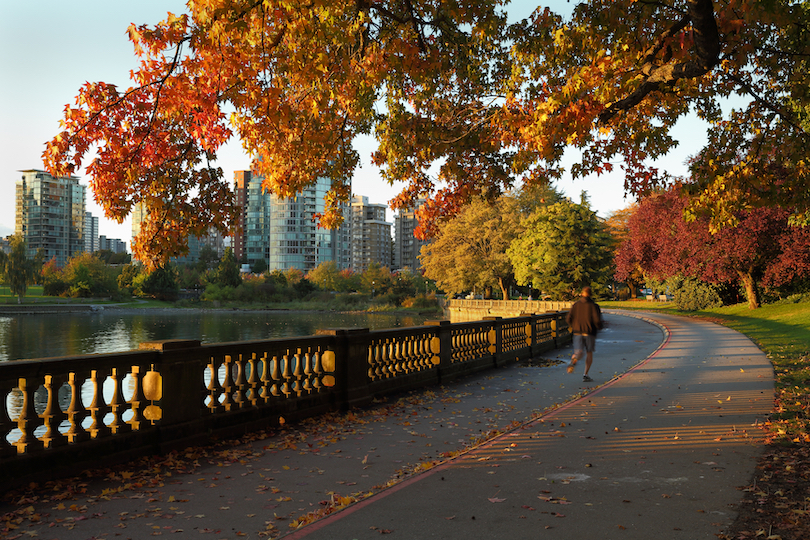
point(298, 373)
point(138, 399)
point(240, 397)
point(286, 375)
point(227, 385)
point(276, 374)
point(76, 412)
point(397, 366)
point(98, 408)
point(6, 449)
point(214, 388)
point(307, 357)
point(372, 371)
point(265, 379)
point(317, 370)
point(27, 422)
point(385, 350)
point(118, 405)
point(253, 380)
point(410, 349)
point(53, 415)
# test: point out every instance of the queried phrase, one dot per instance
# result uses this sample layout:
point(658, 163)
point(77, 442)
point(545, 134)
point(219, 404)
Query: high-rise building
point(213, 239)
point(90, 233)
point(283, 232)
point(241, 182)
point(116, 245)
point(406, 246)
point(50, 214)
point(371, 234)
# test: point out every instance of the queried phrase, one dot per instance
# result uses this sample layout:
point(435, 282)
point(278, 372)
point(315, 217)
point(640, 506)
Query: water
point(111, 330)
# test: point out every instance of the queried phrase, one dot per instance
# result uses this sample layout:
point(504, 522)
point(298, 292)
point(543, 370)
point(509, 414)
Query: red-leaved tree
point(763, 246)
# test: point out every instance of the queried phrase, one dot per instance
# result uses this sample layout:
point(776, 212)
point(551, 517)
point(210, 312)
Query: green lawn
point(782, 331)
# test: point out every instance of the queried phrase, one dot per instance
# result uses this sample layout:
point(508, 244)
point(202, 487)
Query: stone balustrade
point(460, 310)
point(62, 415)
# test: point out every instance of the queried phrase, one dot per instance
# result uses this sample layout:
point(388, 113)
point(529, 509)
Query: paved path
point(656, 447)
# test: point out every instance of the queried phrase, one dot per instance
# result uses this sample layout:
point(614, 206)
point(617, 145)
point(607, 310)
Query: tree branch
point(707, 53)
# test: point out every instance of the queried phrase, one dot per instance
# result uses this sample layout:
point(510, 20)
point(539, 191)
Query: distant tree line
point(212, 279)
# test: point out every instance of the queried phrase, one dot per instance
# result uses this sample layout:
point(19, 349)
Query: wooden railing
point(61, 415)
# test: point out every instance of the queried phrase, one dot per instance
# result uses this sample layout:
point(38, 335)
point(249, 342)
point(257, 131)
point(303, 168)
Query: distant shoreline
point(50, 309)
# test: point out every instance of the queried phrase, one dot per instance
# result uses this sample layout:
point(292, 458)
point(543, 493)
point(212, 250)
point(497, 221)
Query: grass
point(782, 331)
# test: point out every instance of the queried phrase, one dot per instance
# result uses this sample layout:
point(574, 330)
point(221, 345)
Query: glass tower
point(50, 214)
point(284, 233)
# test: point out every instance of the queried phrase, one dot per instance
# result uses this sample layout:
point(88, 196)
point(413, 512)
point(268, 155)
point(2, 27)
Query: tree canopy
point(17, 270)
point(762, 247)
point(447, 84)
point(563, 248)
point(469, 250)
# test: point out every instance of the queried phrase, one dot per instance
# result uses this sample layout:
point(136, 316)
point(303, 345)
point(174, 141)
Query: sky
point(48, 49)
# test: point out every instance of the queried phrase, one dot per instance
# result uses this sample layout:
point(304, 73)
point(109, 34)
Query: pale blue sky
point(48, 49)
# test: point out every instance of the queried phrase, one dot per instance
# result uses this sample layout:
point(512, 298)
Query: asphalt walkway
point(656, 447)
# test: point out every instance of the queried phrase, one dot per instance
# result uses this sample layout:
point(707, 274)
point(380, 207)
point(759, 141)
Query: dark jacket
point(585, 317)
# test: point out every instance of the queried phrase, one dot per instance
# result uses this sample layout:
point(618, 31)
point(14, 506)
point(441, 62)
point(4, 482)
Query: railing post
point(351, 365)
point(535, 345)
point(182, 391)
point(495, 336)
point(442, 345)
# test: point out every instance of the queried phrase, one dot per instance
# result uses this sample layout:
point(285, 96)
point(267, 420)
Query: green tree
point(563, 248)
point(127, 277)
point(227, 274)
point(325, 276)
point(18, 270)
point(160, 283)
point(469, 251)
point(376, 279)
point(87, 276)
point(259, 267)
point(207, 258)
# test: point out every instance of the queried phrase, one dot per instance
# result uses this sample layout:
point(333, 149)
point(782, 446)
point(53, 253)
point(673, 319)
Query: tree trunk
point(504, 292)
point(751, 289)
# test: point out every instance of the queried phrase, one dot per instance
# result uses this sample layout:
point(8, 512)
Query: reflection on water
point(44, 336)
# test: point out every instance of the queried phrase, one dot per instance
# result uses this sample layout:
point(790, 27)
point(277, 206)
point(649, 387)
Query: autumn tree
point(447, 85)
point(376, 279)
point(87, 276)
point(17, 269)
point(663, 243)
point(303, 80)
point(325, 276)
point(618, 228)
point(615, 78)
point(469, 251)
point(563, 247)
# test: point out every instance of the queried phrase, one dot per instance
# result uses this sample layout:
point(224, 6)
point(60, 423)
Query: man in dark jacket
point(585, 320)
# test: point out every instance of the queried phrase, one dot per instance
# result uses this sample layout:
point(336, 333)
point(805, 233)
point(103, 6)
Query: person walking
point(585, 320)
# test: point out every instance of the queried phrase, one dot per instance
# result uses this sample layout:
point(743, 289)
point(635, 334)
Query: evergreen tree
point(227, 274)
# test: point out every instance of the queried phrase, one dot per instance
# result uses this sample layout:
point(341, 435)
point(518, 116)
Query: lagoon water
point(113, 330)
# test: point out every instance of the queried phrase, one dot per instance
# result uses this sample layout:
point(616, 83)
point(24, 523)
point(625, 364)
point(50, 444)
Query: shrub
point(692, 294)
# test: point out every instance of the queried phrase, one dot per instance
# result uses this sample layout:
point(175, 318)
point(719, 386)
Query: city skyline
point(43, 71)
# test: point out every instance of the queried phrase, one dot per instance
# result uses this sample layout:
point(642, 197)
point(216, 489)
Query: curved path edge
point(660, 450)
